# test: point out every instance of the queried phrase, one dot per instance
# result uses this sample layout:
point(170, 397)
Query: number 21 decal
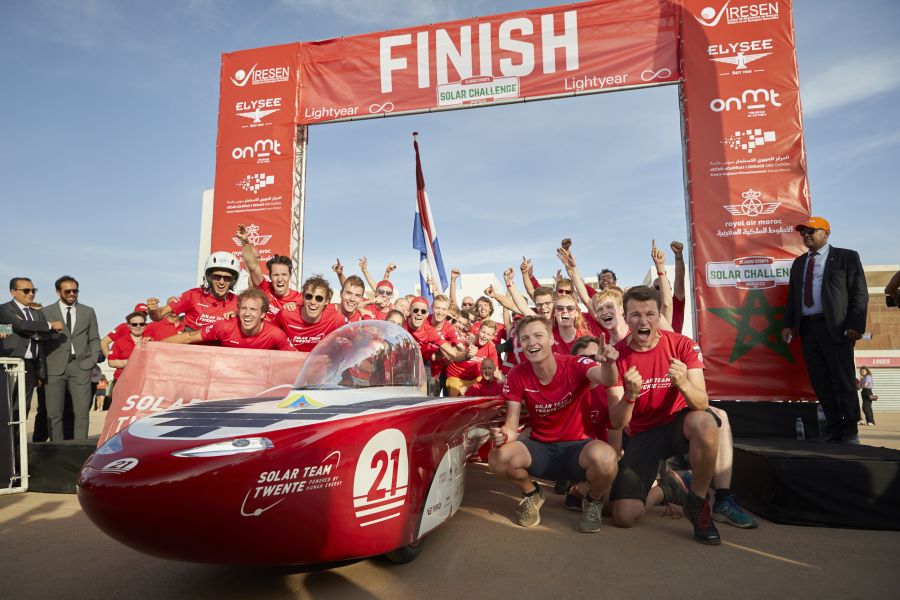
point(382, 475)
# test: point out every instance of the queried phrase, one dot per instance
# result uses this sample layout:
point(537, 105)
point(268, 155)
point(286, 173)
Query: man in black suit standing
point(30, 329)
point(71, 359)
point(826, 305)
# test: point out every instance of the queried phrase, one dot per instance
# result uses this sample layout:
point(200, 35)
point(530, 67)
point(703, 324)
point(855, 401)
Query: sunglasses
point(566, 308)
point(67, 292)
point(225, 278)
point(420, 311)
point(27, 291)
point(810, 230)
point(383, 292)
point(563, 291)
point(543, 304)
point(467, 304)
point(317, 297)
point(451, 320)
point(141, 324)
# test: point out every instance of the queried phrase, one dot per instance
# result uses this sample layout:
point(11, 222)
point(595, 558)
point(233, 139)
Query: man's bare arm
point(364, 268)
point(251, 260)
point(678, 251)
point(568, 261)
point(186, 337)
point(527, 273)
point(521, 305)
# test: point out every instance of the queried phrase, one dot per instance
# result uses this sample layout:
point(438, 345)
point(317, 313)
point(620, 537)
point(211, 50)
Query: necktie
point(69, 329)
point(32, 345)
point(808, 280)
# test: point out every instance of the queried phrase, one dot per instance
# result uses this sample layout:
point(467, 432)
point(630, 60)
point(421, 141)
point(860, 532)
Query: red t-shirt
point(121, 350)
point(598, 421)
point(228, 333)
point(377, 313)
point(161, 330)
point(557, 409)
point(471, 368)
point(449, 334)
point(428, 338)
point(485, 388)
point(659, 400)
point(275, 303)
point(121, 330)
point(499, 334)
point(594, 327)
point(201, 308)
point(677, 314)
point(304, 336)
point(512, 357)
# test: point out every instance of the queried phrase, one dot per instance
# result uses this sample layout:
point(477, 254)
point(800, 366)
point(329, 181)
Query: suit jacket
point(845, 295)
point(85, 338)
point(15, 345)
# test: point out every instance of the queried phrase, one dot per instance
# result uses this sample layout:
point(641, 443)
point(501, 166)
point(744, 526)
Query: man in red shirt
point(488, 384)
point(555, 390)
point(160, 330)
point(280, 268)
point(353, 290)
point(429, 338)
point(660, 394)
point(249, 330)
point(207, 304)
point(122, 329)
point(380, 305)
point(316, 318)
point(463, 373)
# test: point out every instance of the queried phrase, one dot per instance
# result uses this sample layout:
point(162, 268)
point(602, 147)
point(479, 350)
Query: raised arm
point(251, 260)
point(527, 276)
point(521, 304)
point(568, 260)
point(338, 269)
point(390, 268)
point(659, 261)
point(678, 251)
point(454, 276)
point(364, 268)
point(505, 301)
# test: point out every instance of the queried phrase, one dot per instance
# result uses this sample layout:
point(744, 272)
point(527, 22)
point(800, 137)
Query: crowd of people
point(618, 411)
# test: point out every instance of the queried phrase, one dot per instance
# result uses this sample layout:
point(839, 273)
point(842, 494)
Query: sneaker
point(674, 488)
point(530, 509)
point(561, 487)
point(572, 502)
point(728, 511)
point(851, 439)
point(591, 513)
point(698, 511)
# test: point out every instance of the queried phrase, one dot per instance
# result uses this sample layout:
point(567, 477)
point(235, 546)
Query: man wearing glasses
point(316, 318)
point(826, 307)
point(70, 359)
point(206, 304)
point(277, 287)
point(29, 328)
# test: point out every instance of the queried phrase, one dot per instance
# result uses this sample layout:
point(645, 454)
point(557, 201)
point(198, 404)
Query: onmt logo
point(749, 99)
point(260, 149)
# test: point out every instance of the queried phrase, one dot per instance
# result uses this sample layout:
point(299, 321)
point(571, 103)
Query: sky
point(109, 134)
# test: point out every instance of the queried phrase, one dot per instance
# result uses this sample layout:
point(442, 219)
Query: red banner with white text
point(547, 52)
point(747, 188)
point(255, 150)
point(163, 376)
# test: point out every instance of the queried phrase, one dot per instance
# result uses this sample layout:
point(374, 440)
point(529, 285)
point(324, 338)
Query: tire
point(404, 554)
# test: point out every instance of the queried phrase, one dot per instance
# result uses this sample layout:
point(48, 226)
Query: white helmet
point(222, 261)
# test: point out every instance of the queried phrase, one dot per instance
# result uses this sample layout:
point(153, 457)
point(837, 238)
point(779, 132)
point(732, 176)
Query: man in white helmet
point(209, 303)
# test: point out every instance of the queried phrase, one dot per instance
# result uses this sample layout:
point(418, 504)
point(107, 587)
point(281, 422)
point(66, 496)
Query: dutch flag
point(425, 240)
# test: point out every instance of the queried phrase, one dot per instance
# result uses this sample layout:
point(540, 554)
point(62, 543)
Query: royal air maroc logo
point(747, 319)
point(253, 237)
point(752, 206)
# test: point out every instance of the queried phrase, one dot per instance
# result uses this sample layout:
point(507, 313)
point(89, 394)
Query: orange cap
point(814, 223)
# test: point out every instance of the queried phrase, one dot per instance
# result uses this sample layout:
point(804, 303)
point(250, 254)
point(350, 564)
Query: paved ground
point(50, 550)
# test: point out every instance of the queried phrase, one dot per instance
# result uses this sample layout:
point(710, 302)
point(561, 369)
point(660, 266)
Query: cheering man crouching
point(556, 391)
point(661, 396)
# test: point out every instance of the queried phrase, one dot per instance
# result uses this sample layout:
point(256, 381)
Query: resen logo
point(751, 206)
point(255, 182)
point(753, 101)
point(262, 150)
point(734, 15)
point(749, 139)
point(260, 76)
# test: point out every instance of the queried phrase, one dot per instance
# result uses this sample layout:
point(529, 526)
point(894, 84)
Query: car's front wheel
point(405, 554)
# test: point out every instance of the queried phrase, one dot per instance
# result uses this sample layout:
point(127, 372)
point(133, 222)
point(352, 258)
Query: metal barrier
point(13, 425)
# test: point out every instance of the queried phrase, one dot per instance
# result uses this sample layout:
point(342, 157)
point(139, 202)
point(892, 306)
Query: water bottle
point(798, 427)
point(823, 422)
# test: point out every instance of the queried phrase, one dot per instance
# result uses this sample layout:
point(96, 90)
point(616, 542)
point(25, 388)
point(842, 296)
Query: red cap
point(418, 299)
point(814, 223)
point(141, 307)
point(385, 283)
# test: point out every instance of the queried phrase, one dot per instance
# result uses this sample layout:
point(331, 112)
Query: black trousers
point(831, 372)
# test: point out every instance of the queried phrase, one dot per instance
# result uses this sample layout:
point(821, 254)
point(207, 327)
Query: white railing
point(15, 372)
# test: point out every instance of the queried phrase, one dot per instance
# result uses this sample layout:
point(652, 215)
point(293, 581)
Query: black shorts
point(556, 460)
point(640, 463)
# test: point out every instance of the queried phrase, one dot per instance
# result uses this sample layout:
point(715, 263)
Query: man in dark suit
point(71, 359)
point(30, 329)
point(826, 305)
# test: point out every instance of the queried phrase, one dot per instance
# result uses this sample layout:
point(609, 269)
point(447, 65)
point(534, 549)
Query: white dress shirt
point(818, 275)
point(62, 307)
point(22, 307)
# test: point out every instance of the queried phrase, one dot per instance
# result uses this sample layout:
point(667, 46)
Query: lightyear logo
point(381, 481)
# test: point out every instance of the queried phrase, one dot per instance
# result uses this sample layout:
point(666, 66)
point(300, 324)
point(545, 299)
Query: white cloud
point(850, 81)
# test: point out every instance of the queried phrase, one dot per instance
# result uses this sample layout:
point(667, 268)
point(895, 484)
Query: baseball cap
point(814, 223)
point(385, 283)
point(141, 307)
point(418, 299)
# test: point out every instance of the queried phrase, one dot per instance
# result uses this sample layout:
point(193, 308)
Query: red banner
point(560, 51)
point(747, 188)
point(255, 149)
point(163, 376)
